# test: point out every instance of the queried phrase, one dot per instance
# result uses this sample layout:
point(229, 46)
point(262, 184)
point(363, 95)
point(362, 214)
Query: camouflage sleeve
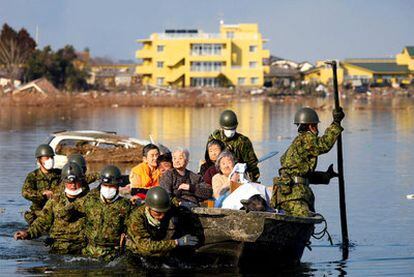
point(91, 177)
point(29, 191)
point(250, 158)
point(141, 241)
point(43, 222)
point(319, 145)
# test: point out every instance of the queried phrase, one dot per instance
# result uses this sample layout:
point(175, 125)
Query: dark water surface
point(379, 173)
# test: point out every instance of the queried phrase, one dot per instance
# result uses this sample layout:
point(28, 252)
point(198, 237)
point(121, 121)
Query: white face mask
point(108, 193)
point(73, 192)
point(49, 163)
point(229, 133)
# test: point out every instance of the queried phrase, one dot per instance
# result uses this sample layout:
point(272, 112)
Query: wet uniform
point(35, 184)
point(105, 222)
point(148, 240)
point(293, 193)
point(65, 225)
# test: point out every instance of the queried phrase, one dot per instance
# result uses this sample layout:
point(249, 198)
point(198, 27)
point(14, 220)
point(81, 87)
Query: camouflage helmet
point(111, 174)
point(44, 150)
point(71, 172)
point(158, 200)
point(78, 159)
point(228, 120)
point(306, 115)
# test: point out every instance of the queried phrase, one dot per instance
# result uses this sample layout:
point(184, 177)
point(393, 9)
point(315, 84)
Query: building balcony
point(145, 69)
point(144, 53)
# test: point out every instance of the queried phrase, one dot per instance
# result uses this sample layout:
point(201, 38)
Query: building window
point(252, 64)
point(160, 64)
point(205, 82)
point(241, 81)
point(160, 48)
point(205, 49)
point(206, 66)
point(252, 48)
point(254, 80)
point(160, 81)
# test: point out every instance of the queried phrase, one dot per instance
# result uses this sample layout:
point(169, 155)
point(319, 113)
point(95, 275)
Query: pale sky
point(297, 29)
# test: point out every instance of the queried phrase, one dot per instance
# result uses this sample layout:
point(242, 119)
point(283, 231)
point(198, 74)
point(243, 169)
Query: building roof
point(410, 50)
point(41, 85)
point(377, 67)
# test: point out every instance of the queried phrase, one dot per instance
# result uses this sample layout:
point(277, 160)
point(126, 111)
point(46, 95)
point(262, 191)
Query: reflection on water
point(378, 143)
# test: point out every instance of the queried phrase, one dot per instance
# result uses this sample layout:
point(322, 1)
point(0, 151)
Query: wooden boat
point(254, 238)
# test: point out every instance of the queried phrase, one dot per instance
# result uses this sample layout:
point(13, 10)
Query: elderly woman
point(185, 187)
point(221, 181)
point(208, 168)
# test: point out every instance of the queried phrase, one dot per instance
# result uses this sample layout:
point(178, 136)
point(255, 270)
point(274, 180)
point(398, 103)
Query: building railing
point(205, 36)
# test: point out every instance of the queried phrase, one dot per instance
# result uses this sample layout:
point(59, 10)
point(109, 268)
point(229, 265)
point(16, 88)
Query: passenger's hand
point(184, 187)
point(48, 194)
point(187, 240)
point(338, 115)
point(22, 234)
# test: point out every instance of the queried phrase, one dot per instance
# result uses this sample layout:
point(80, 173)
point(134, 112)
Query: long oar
point(342, 204)
point(268, 156)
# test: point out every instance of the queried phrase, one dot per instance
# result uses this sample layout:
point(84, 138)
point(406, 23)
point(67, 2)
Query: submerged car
point(97, 146)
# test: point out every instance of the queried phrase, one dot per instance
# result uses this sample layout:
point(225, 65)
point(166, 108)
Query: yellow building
point(182, 58)
point(322, 74)
point(376, 71)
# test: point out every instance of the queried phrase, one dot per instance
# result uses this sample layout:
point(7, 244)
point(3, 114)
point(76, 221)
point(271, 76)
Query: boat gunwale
point(202, 211)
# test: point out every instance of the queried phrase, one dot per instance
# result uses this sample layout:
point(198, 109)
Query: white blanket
point(246, 191)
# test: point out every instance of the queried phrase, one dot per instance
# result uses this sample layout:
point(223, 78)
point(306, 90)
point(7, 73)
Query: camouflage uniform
point(105, 222)
point(60, 217)
point(35, 184)
point(242, 149)
point(147, 240)
point(299, 161)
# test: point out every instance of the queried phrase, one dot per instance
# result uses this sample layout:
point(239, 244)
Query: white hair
point(184, 151)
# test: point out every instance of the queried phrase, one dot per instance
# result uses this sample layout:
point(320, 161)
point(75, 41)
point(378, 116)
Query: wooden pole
point(342, 203)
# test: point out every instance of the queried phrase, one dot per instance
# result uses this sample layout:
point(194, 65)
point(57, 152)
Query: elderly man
point(185, 187)
point(60, 216)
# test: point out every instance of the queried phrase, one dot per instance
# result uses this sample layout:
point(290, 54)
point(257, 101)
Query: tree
point(58, 67)
point(15, 49)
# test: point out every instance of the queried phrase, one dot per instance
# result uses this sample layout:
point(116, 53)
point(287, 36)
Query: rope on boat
point(320, 234)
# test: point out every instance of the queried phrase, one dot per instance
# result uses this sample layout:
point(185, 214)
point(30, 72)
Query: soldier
point(106, 213)
point(149, 226)
point(89, 177)
point(238, 144)
point(41, 183)
point(291, 191)
point(60, 216)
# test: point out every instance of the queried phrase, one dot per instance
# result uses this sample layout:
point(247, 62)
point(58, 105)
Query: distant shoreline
point(182, 98)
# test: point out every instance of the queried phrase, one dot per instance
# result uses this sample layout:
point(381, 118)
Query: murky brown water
point(378, 153)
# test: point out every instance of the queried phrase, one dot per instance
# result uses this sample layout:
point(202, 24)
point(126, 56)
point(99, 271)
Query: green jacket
point(301, 157)
point(149, 241)
point(105, 222)
point(36, 183)
point(299, 160)
point(65, 225)
point(242, 149)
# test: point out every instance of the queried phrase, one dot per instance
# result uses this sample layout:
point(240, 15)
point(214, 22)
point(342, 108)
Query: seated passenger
point(145, 175)
point(148, 226)
point(164, 162)
point(60, 217)
point(208, 168)
point(221, 181)
point(184, 186)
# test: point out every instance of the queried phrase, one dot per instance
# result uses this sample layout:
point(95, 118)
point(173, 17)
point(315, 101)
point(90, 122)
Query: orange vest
point(141, 176)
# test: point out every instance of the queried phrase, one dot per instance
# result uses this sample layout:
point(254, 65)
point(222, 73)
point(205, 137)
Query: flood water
point(378, 162)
